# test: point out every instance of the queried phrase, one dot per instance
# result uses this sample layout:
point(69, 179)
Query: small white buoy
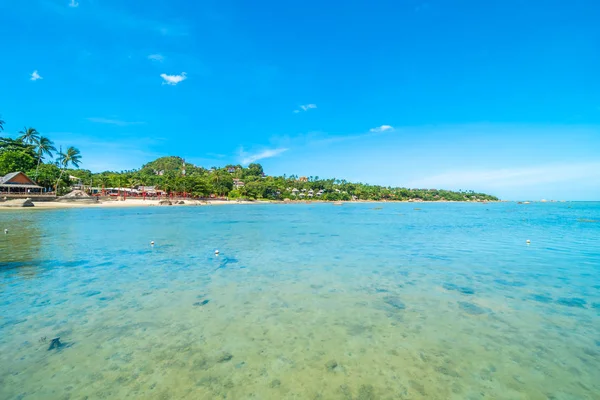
point(152, 243)
point(528, 241)
point(5, 231)
point(216, 252)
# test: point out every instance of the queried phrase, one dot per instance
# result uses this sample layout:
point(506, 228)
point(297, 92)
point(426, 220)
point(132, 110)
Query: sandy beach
point(48, 205)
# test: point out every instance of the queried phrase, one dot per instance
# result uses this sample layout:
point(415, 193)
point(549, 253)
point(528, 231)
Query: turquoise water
point(362, 301)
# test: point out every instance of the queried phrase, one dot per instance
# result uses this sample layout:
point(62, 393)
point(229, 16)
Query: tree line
point(174, 176)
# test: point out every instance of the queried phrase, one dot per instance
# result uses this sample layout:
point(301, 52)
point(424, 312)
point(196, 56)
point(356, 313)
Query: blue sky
point(495, 96)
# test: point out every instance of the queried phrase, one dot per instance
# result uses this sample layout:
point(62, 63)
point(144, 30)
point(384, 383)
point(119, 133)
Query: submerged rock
point(275, 383)
point(395, 302)
point(225, 357)
point(55, 344)
point(331, 365)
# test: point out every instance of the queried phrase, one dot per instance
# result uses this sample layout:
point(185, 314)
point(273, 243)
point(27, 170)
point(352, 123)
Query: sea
point(303, 301)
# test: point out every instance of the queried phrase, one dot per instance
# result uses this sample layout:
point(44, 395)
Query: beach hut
point(17, 183)
point(295, 192)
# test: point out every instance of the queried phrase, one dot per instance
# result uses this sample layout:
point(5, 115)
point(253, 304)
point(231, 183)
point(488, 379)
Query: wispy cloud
point(305, 107)
point(381, 128)
point(247, 158)
point(512, 177)
point(173, 79)
point(35, 76)
point(114, 121)
point(156, 57)
point(73, 4)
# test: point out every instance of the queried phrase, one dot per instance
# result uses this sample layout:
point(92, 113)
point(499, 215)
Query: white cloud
point(156, 57)
point(173, 79)
point(382, 128)
point(113, 121)
point(305, 107)
point(35, 76)
point(73, 4)
point(267, 153)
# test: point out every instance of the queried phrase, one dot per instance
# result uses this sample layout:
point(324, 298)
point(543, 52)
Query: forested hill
point(172, 174)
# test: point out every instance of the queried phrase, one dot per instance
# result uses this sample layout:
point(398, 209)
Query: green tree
point(1, 124)
point(164, 165)
point(222, 182)
point(8, 144)
point(48, 174)
point(44, 147)
point(13, 161)
point(103, 179)
point(254, 169)
point(198, 186)
point(29, 136)
point(72, 157)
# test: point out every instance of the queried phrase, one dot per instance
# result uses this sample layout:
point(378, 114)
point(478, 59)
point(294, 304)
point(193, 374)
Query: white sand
point(124, 203)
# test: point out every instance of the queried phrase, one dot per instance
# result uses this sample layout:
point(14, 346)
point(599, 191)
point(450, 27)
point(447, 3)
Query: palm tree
point(44, 147)
point(29, 136)
point(1, 124)
point(104, 181)
point(71, 157)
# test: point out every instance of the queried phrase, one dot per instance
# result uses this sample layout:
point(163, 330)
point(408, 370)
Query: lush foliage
point(167, 173)
point(11, 161)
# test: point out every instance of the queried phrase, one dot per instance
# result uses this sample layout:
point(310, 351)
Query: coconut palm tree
point(72, 157)
point(29, 136)
point(104, 181)
point(43, 147)
point(1, 124)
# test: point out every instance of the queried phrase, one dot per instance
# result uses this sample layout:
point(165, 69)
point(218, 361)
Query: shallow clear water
point(363, 301)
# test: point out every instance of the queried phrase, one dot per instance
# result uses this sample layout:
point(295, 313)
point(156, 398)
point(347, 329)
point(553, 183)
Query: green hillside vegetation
point(166, 173)
point(38, 158)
